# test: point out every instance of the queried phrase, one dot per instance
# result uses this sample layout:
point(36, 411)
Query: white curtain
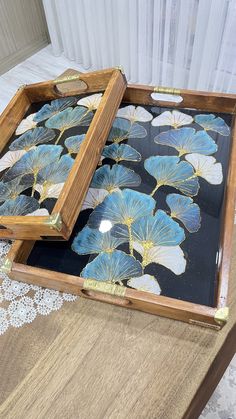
point(178, 43)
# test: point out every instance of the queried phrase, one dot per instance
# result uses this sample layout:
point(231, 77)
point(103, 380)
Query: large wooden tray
point(30, 98)
point(197, 296)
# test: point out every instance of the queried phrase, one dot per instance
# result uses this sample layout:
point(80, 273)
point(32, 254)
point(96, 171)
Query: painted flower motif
point(11, 190)
point(112, 267)
point(134, 114)
point(21, 311)
point(26, 124)
point(121, 152)
point(175, 119)
point(187, 140)
point(93, 198)
point(212, 123)
point(69, 118)
point(91, 102)
point(22, 205)
point(112, 178)
point(4, 324)
point(56, 106)
point(10, 158)
point(121, 207)
point(169, 170)
point(172, 257)
point(13, 289)
point(92, 241)
point(47, 301)
point(206, 167)
point(48, 191)
point(32, 138)
point(68, 297)
point(123, 130)
point(184, 209)
point(73, 143)
point(147, 283)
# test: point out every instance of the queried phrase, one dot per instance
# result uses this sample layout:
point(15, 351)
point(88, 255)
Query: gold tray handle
point(67, 79)
point(167, 90)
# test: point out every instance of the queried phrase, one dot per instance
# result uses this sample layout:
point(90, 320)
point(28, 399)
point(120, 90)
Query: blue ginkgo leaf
point(53, 108)
point(70, 117)
point(212, 123)
point(157, 230)
point(121, 152)
point(22, 205)
point(33, 161)
point(123, 129)
point(56, 172)
point(112, 267)
point(92, 241)
point(32, 138)
point(169, 170)
point(10, 190)
point(73, 143)
point(117, 176)
point(184, 209)
point(187, 140)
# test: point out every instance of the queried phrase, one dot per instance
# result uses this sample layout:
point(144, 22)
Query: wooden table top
point(92, 360)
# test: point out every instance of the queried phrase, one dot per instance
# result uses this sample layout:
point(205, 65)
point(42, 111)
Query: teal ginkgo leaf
point(53, 174)
point(22, 205)
point(169, 170)
point(121, 207)
point(212, 123)
point(119, 152)
point(92, 241)
point(57, 105)
point(122, 129)
point(32, 138)
point(73, 143)
point(184, 209)
point(10, 190)
point(32, 162)
point(70, 117)
point(117, 176)
point(112, 267)
point(187, 140)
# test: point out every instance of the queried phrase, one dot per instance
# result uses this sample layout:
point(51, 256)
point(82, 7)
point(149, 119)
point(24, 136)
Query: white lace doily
point(21, 303)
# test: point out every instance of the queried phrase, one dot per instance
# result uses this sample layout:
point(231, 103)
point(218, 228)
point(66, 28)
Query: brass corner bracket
point(166, 90)
point(55, 222)
point(222, 315)
point(105, 287)
point(21, 87)
point(6, 266)
point(121, 68)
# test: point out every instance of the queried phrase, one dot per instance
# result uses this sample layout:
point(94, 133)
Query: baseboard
point(8, 62)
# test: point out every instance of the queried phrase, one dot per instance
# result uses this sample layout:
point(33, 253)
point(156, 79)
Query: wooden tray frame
point(66, 210)
point(213, 317)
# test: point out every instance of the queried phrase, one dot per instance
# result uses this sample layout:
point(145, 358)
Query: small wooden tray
point(63, 211)
point(53, 265)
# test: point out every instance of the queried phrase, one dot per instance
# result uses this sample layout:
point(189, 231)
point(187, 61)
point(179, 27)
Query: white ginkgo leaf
point(40, 212)
point(206, 167)
point(172, 257)
point(146, 283)
point(49, 191)
point(26, 124)
point(93, 198)
point(10, 158)
point(134, 114)
point(175, 119)
point(91, 102)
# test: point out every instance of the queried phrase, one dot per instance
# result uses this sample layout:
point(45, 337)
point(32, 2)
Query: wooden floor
point(96, 361)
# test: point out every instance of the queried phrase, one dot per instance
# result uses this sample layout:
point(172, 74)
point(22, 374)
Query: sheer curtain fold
point(180, 43)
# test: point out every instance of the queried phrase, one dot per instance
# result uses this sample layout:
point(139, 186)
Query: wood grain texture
point(23, 31)
point(93, 360)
